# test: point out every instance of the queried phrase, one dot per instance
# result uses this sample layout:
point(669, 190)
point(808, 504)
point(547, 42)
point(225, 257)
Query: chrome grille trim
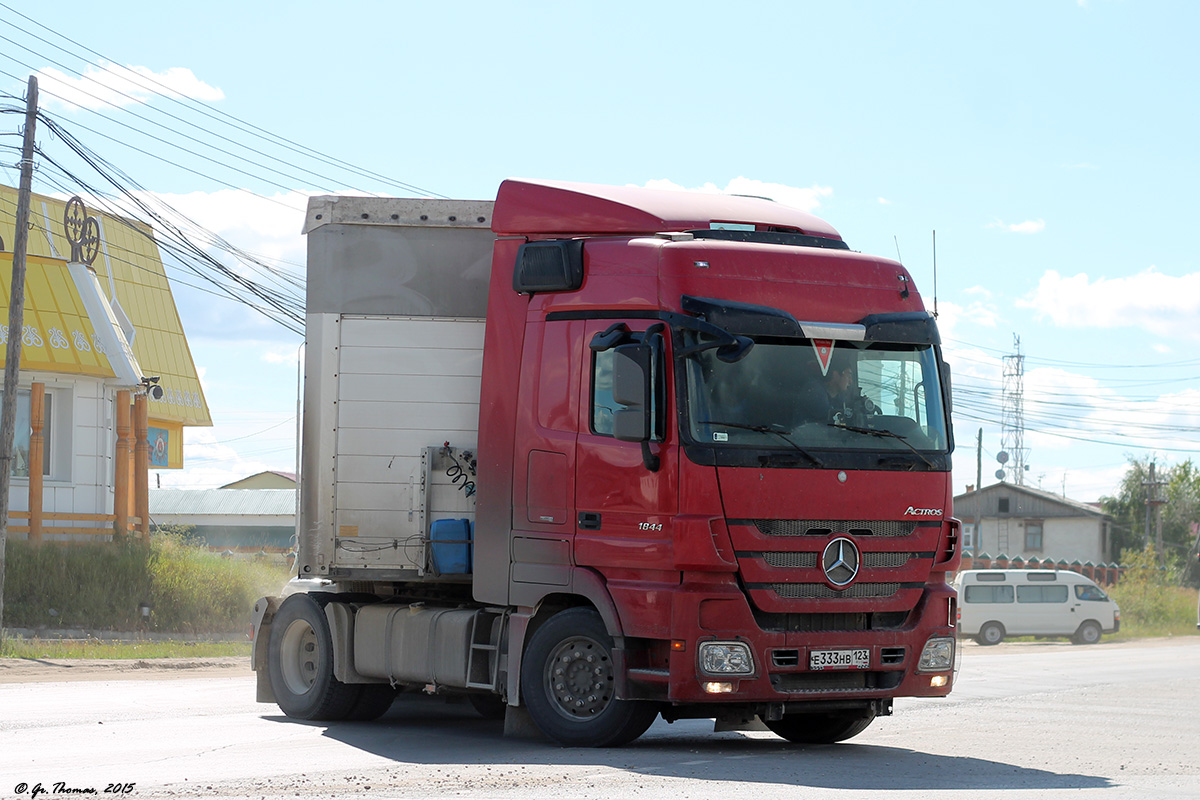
point(812, 560)
point(826, 527)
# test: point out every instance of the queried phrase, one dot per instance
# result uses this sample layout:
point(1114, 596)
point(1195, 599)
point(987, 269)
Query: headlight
point(937, 655)
point(726, 658)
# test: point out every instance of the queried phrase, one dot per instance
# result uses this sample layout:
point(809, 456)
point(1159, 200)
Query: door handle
point(589, 520)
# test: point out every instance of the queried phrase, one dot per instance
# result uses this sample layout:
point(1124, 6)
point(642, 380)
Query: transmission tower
point(1012, 420)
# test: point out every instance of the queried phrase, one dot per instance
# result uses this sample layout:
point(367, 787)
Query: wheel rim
point(579, 678)
point(991, 634)
point(1091, 634)
point(299, 657)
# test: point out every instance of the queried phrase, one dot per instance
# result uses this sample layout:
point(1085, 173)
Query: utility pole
point(16, 320)
point(1153, 506)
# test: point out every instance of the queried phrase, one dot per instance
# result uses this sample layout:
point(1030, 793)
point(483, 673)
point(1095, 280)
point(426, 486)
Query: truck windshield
point(869, 396)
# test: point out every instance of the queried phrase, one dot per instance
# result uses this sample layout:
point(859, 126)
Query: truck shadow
point(420, 734)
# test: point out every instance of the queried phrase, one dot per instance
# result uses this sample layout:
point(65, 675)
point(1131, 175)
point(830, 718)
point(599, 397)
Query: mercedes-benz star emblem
point(840, 561)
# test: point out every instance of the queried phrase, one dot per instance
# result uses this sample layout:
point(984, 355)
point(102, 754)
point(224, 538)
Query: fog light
point(718, 687)
point(937, 655)
point(726, 658)
point(938, 681)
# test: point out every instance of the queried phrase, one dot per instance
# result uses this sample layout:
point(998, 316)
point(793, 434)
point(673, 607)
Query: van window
point(990, 576)
point(989, 594)
point(1043, 576)
point(1086, 591)
point(1042, 594)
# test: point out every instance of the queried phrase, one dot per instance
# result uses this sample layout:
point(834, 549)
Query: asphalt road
point(1038, 720)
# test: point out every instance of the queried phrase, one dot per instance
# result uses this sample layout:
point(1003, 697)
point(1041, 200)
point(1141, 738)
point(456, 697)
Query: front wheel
point(821, 728)
point(300, 665)
point(568, 683)
point(1088, 633)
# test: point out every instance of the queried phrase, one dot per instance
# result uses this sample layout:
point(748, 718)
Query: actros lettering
point(923, 512)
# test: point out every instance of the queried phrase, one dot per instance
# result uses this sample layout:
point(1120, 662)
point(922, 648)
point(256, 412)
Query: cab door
point(626, 494)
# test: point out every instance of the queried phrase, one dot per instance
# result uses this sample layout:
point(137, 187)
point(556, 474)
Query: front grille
point(812, 560)
point(825, 527)
point(819, 591)
point(820, 623)
point(856, 680)
point(792, 560)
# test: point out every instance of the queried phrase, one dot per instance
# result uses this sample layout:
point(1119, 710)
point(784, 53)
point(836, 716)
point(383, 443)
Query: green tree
point(1180, 488)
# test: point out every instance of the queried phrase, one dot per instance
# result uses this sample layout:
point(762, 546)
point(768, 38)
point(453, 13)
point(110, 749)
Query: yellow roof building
point(65, 334)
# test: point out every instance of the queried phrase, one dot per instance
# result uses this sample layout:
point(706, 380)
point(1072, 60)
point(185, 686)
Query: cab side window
point(603, 404)
point(1085, 591)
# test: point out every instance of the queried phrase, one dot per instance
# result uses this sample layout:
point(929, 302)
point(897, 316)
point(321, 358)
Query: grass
point(96, 648)
point(100, 587)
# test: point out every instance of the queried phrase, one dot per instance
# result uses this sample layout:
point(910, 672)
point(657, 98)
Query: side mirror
point(632, 389)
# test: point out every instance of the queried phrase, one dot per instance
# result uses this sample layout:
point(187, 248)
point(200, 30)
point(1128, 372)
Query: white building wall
point(1063, 539)
point(80, 449)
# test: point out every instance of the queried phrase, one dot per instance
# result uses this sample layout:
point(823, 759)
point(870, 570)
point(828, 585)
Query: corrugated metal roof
point(239, 502)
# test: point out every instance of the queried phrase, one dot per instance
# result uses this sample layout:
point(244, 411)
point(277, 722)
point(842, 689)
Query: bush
point(1152, 603)
point(100, 586)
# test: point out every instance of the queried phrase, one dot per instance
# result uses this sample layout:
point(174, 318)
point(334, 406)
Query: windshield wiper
point(774, 428)
point(885, 434)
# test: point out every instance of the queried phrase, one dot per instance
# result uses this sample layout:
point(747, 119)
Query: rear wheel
point(821, 728)
point(1088, 633)
point(991, 633)
point(300, 664)
point(568, 684)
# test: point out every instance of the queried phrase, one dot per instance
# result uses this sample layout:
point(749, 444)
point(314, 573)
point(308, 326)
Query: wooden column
point(37, 441)
point(141, 470)
point(121, 465)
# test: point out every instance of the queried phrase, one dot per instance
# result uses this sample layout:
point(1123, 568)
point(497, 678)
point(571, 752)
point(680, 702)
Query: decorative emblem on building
point(83, 232)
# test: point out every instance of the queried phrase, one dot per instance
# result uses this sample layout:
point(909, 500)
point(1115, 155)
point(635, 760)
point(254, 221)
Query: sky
point(1050, 144)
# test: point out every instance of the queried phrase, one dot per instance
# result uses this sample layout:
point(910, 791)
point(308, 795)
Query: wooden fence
point(1103, 574)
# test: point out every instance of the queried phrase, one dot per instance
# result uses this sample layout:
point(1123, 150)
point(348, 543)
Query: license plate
point(839, 659)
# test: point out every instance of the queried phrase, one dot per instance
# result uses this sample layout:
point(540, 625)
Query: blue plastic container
point(450, 541)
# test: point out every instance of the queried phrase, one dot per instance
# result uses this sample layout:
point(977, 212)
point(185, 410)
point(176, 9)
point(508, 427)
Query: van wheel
point(1088, 633)
point(991, 633)
point(820, 728)
point(568, 684)
point(300, 664)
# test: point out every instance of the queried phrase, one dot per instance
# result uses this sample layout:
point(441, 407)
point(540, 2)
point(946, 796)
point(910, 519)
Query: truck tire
point(489, 706)
point(821, 728)
point(300, 664)
point(991, 633)
point(1088, 633)
point(372, 703)
point(568, 683)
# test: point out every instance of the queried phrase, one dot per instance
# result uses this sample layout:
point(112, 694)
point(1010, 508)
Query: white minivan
point(995, 603)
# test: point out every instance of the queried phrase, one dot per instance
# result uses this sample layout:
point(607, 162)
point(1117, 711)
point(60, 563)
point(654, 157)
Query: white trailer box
point(397, 292)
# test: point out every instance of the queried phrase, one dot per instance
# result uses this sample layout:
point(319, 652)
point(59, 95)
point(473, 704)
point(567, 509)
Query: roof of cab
point(548, 207)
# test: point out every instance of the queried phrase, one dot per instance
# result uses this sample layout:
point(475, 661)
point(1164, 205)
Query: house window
point(1033, 535)
point(968, 536)
point(1003, 505)
point(23, 429)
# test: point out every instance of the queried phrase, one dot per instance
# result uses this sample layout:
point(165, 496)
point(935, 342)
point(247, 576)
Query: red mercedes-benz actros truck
point(587, 455)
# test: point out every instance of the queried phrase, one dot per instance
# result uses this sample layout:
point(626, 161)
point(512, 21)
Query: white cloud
point(805, 199)
point(883, 201)
point(1162, 348)
point(114, 85)
point(981, 291)
point(1165, 305)
point(1028, 226)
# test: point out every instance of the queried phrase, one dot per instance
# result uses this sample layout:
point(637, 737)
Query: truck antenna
point(898, 258)
point(935, 312)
